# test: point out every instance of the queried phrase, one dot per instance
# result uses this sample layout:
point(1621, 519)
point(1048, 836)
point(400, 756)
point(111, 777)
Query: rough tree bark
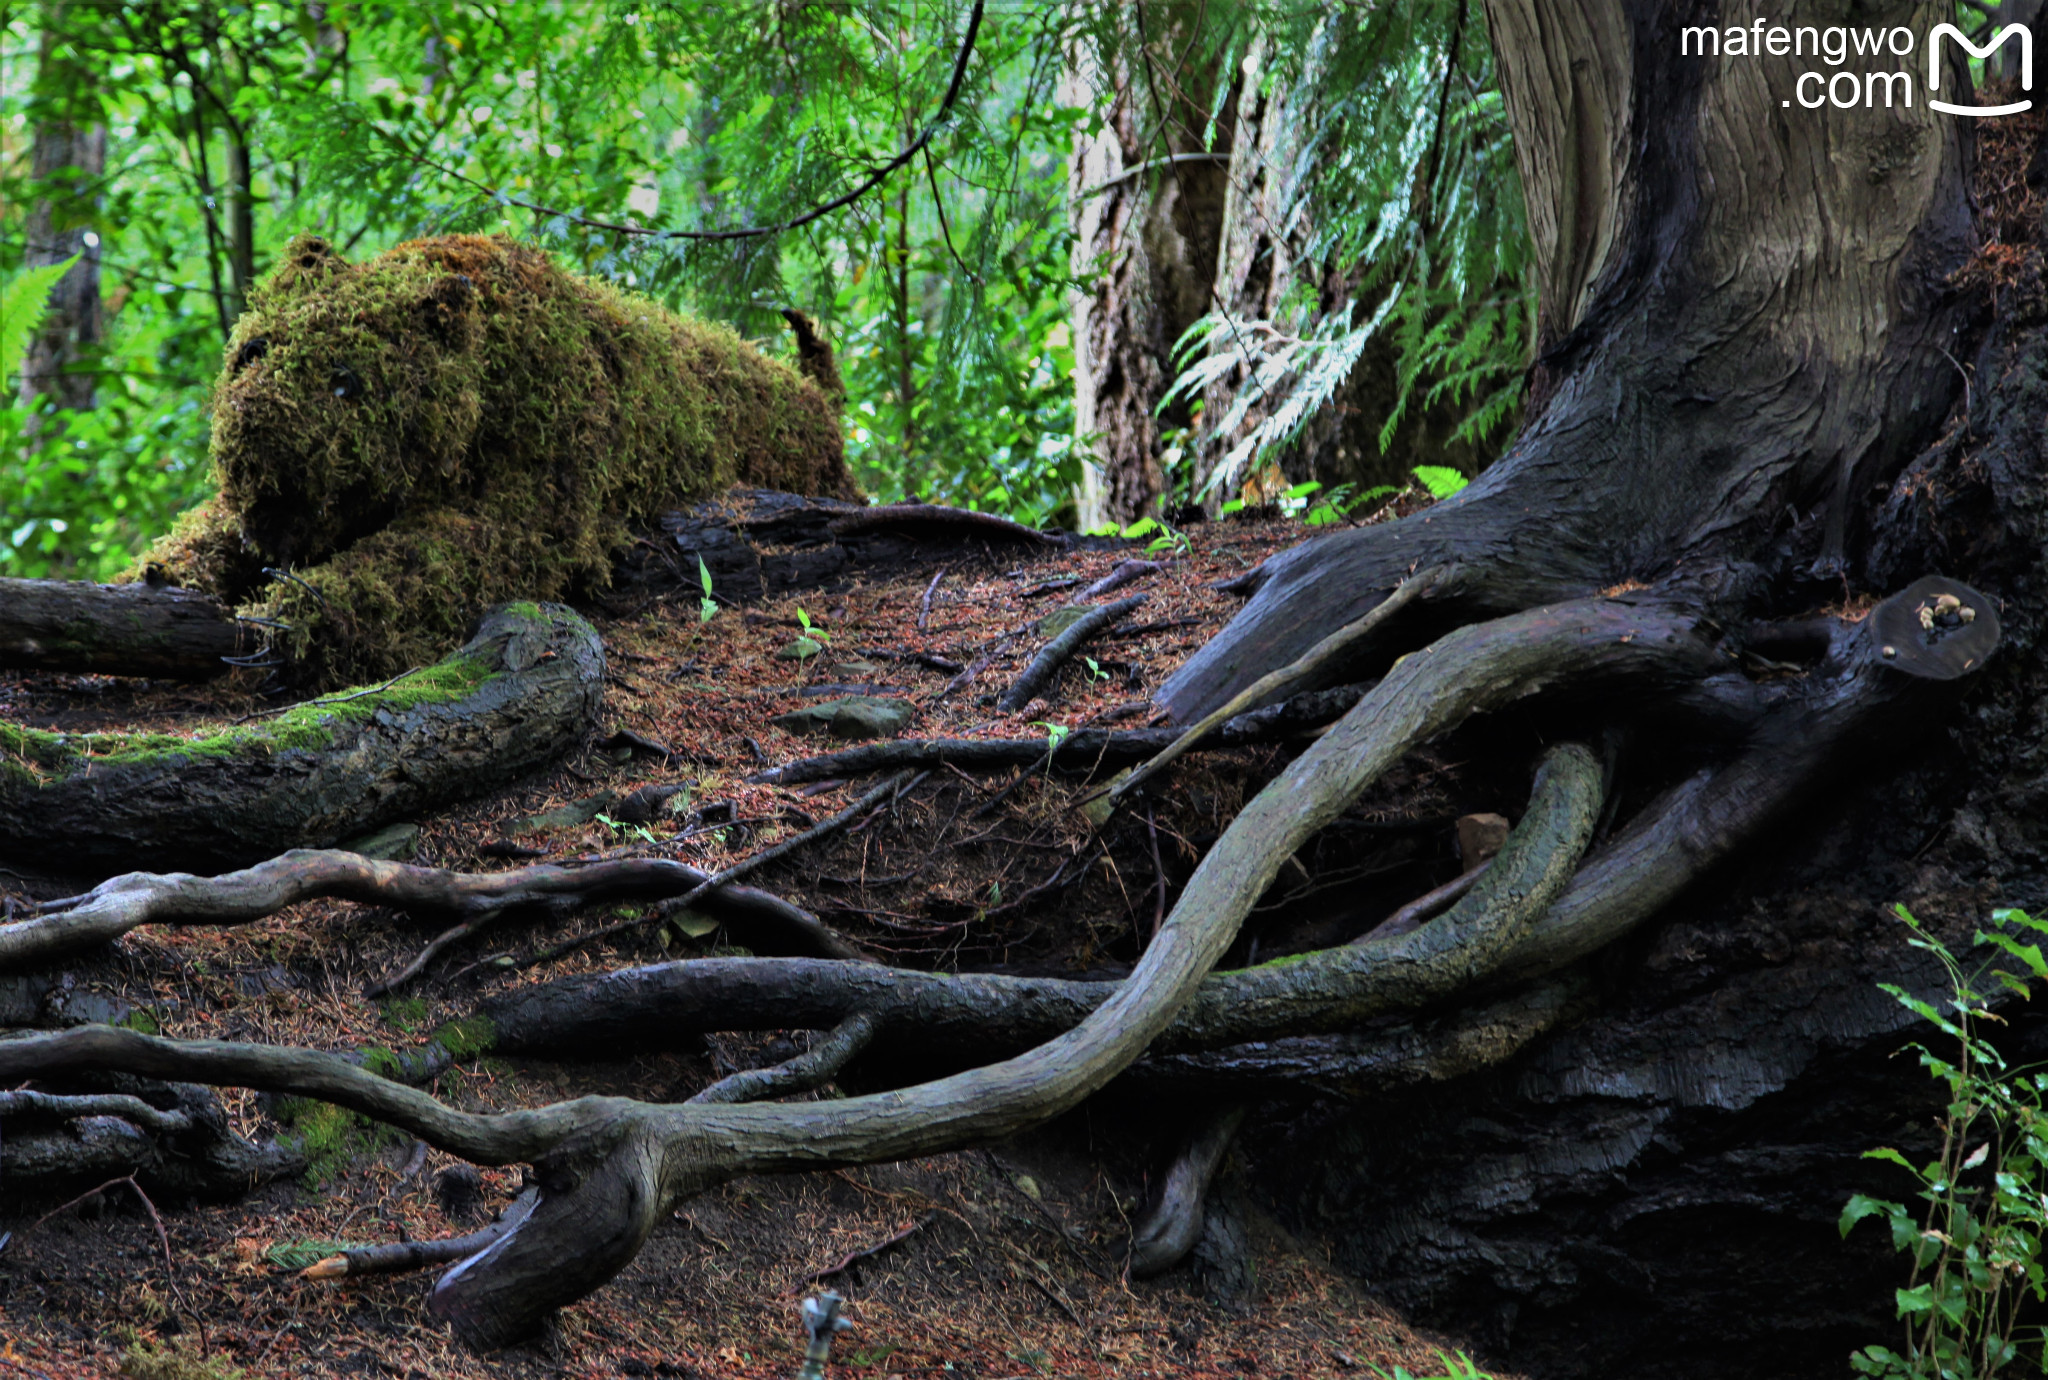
point(1147, 207)
point(1724, 376)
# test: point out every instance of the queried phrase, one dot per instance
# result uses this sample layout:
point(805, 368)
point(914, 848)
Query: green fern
point(1426, 213)
point(24, 299)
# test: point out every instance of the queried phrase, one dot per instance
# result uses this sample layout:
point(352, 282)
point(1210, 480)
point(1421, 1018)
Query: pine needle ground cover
point(1013, 1264)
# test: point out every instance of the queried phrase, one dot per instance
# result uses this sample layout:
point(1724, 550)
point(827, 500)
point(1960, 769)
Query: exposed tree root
point(1337, 645)
point(1173, 1223)
point(1083, 750)
point(125, 903)
point(609, 1168)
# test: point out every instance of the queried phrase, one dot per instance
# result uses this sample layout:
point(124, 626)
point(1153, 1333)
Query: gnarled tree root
point(609, 1169)
point(521, 693)
point(128, 902)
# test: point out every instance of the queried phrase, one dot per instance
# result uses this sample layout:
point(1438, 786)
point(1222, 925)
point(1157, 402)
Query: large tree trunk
point(1750, 334)
point(1743, 329)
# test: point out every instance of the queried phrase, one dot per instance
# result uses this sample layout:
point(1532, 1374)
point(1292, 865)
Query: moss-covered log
point(120, 630)
point(520, 693)
point(460, 422)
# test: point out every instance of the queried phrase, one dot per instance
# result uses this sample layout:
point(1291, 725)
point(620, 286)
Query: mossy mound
point(459, 422)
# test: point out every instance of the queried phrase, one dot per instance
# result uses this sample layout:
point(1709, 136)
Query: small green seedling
point(1095, 671)
point(814, 631)
point(1055, 734)
point(618, 827)
point(707, 607)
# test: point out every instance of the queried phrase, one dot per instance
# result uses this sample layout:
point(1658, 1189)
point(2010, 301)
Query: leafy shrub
point(1975, 1243)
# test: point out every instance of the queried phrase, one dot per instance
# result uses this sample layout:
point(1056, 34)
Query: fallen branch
point(1121, 574)
point(726, 876)
point(937, 515)
point(1056, 652)
point(1083, 750)
point(120, 630)
point(851, 1258)
point(399, 1256)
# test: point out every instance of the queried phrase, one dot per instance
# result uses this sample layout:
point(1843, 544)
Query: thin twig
point(1311, 661)
point(665, 909)
point(1056, 652)
point(924, 611)
point(332, 699)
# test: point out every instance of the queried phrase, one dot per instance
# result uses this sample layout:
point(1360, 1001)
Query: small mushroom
point(1890, 652)
point(1946, 604)
point(1967, 614)
point(1926, 618)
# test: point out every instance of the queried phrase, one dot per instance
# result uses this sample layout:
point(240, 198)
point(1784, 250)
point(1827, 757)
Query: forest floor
point(1006, 1261)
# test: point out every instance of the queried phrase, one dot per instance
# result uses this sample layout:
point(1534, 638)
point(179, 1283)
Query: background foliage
point(593, 128)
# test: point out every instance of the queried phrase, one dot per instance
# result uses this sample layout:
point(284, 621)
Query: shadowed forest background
point(1274, 238)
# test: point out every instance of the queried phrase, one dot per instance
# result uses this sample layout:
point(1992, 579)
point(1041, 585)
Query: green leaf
point(1441, 480)
point(24, 299)
point(1861, 1206)
point(1916, 1300)
point(694, 923)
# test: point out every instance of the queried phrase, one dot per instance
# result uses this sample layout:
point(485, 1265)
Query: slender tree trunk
point(1148, 193)
point(67, 162)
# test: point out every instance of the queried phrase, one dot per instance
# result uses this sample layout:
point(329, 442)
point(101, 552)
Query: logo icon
point(2019, 31)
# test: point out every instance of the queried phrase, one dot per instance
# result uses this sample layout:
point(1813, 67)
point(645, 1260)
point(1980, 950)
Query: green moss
point(405, 1013)
point(330, 1137)
point(30, 755)
point(467, 1038)
point(382, 1062)
point(174, 1361)
point(142, 1019)
point(457, 423)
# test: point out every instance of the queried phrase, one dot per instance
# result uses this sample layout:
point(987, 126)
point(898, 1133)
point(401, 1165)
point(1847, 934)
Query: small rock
point(1059, 620)
point(858, 716)
point(459, 1190)
point(393, 843)
point(1479, 838)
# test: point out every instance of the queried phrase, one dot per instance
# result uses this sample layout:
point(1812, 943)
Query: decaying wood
point(122, 630)
point(755, 544)
point(314, 777)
